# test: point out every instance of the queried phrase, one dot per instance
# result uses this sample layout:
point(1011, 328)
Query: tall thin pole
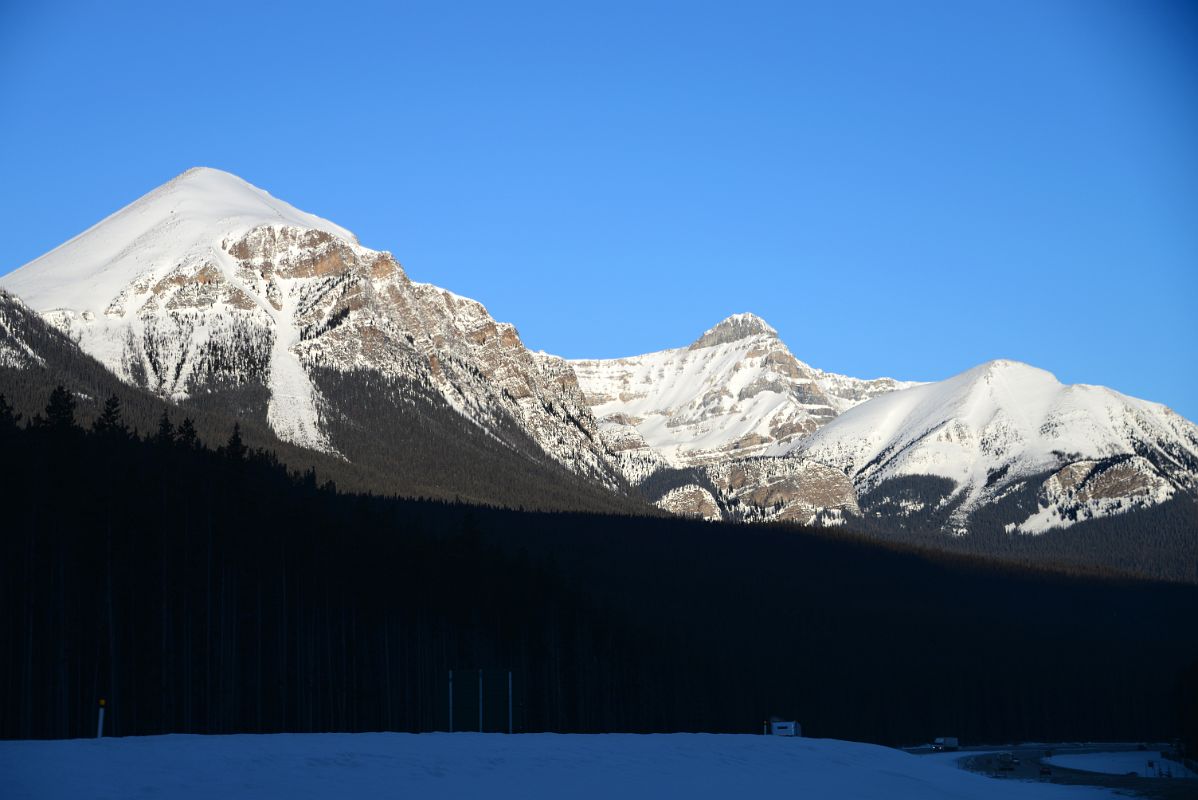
point(100, 724)
point(451, 701)
point(480, 701)
point(509, 701)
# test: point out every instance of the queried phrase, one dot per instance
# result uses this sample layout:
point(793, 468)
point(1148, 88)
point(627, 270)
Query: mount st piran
point(209, 292)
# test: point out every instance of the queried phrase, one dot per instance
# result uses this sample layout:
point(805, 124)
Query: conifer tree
point(109, 422)
point(60, 410)
point(187, 436)
point(8, 418)
point(235, 448)
point(166, 430)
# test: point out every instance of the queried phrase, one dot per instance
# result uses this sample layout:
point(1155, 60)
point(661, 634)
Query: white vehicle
point(945, 743)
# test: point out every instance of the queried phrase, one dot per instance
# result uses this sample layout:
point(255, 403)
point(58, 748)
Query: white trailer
point(789, 728)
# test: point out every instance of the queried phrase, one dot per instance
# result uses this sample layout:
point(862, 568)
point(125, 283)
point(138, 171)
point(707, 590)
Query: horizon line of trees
point(59, 416)
point(217, 591)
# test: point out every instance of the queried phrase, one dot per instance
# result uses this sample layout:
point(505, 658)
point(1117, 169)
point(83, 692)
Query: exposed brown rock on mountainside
point(359, 310)
point(691, 501)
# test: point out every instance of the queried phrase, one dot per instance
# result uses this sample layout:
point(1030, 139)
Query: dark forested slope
point(216, 591)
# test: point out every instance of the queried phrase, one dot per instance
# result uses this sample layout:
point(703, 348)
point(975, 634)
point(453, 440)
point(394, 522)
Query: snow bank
point(1122, 763)
point(622, 766)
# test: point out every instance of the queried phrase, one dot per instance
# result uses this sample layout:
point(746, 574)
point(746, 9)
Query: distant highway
point(1058, 748)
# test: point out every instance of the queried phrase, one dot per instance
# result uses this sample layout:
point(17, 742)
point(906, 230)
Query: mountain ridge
point(1005, 420)
point(208, 289)
point(208, 283)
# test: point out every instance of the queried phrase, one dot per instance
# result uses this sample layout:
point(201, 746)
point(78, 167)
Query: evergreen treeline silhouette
point(214, 590)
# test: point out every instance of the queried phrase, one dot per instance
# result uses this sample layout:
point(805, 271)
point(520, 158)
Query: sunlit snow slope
point(1003, 421)
point(186, 220)
point(737, 391)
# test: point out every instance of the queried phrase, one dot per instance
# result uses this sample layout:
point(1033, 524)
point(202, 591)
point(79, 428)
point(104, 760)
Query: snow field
point(390, 765)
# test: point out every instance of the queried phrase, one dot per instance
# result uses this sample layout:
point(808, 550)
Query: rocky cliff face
point(735, 393)
point(721, 405)
point(208, 282)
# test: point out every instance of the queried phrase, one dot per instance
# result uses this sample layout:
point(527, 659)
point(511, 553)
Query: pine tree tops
point(59, 414)
point(166, 430)
point(8, 417)
point(109, 422)
point(186, 435)
point(60, 410)
point(235, 449)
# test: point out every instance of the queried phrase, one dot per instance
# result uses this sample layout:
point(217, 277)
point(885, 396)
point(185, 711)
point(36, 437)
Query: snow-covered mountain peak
point(207, 192)
point(736, 393)
point(209, 284)
point(1009, 369)
point(733, 329)
point(1001, 385)
point(1001, 422)
point(187, 220)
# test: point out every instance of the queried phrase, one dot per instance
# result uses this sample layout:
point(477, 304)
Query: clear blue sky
point(900, 188)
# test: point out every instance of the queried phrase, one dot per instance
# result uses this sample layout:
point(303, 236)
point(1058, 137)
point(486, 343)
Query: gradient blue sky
point(904, 189)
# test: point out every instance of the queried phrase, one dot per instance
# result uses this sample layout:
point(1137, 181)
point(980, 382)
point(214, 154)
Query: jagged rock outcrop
point(208, 281)
point(691, 501)
point(1090, 489)
point(735, 394)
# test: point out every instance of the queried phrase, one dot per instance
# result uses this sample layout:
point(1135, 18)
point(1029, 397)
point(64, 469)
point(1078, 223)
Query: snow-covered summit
point(734, 393)
point(734, 328)
point(997, 413)
point(1002, 421)
point(185, 220)
point(207, 284)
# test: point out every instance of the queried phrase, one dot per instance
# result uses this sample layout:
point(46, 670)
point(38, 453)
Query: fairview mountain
point(210, 292)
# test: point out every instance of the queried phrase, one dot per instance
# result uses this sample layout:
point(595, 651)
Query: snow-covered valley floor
point(392, 765)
